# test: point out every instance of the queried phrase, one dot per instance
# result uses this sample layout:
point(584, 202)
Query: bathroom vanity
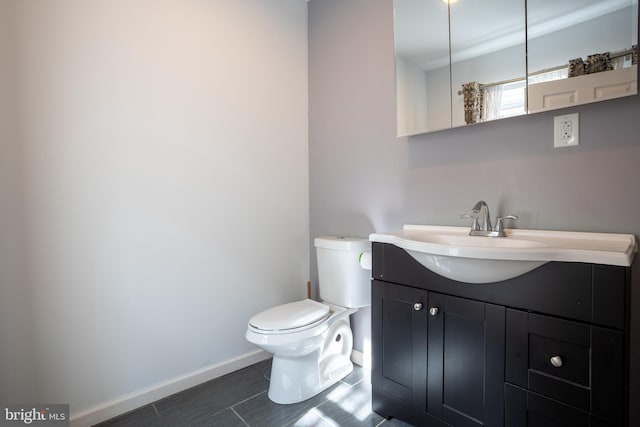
point(549, 347)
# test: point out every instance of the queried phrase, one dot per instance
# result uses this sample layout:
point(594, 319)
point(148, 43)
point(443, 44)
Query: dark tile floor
point(240, 399)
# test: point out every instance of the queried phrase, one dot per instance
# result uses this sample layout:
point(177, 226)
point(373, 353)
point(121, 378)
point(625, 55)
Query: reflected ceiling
point(425, 48)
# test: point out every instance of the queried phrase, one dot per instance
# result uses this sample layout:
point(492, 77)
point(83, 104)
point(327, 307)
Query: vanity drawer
point(524, 408)
point(574, 363)
point(559, 350)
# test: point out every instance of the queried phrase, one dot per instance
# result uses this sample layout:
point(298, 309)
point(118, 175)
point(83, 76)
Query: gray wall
point(364, 179)
point(153, 193)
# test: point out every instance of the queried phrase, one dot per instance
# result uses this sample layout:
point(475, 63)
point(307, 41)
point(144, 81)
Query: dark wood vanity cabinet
point(456, 344)
point(548, 348)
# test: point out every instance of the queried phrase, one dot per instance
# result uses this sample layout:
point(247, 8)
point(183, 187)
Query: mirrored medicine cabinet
point(461, 62)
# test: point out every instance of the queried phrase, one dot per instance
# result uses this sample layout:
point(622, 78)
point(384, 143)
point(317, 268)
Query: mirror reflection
point(488, 60)
point(469, 62)
point(581, 51)
point(421, 37)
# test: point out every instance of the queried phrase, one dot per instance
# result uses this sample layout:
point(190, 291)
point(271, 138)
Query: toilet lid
point(290, 316)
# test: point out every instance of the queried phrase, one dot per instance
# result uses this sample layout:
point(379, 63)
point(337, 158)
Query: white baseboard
point(129, 402)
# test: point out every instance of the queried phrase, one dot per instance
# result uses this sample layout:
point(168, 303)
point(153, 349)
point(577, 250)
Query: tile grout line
point(238, 403)
point(326, 401)
point(238, 415)
point(244, 400)
point(323, 416)
point(153, 405)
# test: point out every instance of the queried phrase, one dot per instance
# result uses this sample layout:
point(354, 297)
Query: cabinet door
point(465, 361)
point(399, 344)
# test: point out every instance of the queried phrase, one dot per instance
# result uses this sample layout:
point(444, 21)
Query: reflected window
point(508, 99)
point(504, 100)
point(512, 102)
point(547, 76)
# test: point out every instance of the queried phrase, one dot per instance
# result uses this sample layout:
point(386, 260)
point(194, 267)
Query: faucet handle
point(475, 225)
point(500, 226)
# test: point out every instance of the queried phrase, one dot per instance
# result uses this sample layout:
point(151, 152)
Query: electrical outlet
point(566, 130)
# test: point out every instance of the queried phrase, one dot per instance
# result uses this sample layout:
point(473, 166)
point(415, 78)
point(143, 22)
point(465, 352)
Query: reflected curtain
point(491, 102)
point(472, 102)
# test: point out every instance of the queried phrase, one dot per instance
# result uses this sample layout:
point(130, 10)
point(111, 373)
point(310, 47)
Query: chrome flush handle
point(417, 306)
point(433, 311)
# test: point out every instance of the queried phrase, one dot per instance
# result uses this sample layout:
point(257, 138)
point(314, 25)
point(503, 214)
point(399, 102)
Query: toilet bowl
point(311, 341)
point(309, 357)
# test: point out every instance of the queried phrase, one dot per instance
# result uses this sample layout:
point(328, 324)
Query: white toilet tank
point(342, 281)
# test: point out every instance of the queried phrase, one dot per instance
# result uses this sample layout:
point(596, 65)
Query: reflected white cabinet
point(583, 89)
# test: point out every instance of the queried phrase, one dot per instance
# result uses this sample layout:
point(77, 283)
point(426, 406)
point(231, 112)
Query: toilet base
point(294, 379)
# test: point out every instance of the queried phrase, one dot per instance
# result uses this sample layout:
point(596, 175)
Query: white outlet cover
point(559, 140)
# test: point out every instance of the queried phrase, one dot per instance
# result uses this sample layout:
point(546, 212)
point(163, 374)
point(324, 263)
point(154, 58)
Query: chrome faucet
point(482, 209)
point(481, 225)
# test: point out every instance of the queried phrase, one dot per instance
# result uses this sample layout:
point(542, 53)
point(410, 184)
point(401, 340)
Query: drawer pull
point(556, 361)
point(433, 311)
point(417, 306)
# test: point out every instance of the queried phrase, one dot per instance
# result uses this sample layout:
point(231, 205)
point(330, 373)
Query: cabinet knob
point(417, 306)
point(556, 361)
point(433, 311)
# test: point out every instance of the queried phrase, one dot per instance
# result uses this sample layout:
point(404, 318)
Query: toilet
point(311, 341)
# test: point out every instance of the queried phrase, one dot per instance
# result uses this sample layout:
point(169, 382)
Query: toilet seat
point(289, 318)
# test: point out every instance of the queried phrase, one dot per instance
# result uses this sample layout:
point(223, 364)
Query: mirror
point(423, 88)
point(470, 62)
point(581, 51)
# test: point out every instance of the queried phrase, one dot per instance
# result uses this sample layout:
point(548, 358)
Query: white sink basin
point(452, 253)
